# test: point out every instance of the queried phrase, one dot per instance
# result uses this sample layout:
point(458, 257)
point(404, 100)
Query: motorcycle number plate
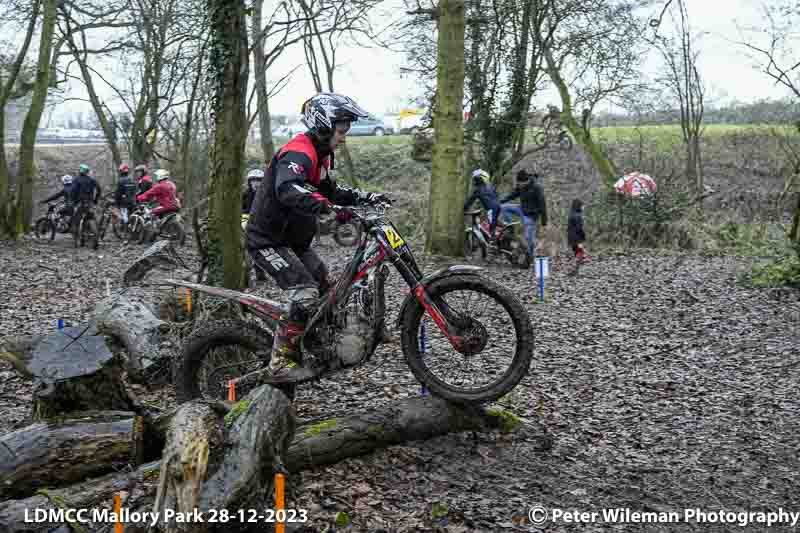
point(394, 238)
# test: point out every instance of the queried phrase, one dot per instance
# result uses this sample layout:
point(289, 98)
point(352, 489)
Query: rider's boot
point(285, 345)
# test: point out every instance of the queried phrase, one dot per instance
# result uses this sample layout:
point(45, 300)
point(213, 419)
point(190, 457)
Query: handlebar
point(362, 212)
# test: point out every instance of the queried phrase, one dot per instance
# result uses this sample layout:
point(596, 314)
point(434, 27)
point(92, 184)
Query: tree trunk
point(445, 233)
point(794, 232)
point(229, 63)
point(350, 168)
point(601, 161)
point(74, 370)
point(6, 207)
point(93, 493)
point(66, 450)
point(260, 71)
point(27, 167)
point(7, 92)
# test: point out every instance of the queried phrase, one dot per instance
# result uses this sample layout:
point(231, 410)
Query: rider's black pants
point(292, 268)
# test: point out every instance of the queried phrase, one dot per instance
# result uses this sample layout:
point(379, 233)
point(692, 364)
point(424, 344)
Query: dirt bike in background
point(509, 241)
point(456, 325)
point(143, 226)
point(52, 222)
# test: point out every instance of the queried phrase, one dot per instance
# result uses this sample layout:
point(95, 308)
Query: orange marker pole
point(231, 391)
point(188, 301)
point(118, 528)
point(280, 527)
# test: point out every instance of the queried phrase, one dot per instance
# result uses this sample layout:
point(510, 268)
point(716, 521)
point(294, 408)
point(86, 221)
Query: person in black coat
point(575, 232)
point(532, 208)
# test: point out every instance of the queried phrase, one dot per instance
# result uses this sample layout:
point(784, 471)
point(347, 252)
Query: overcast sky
point(372, 75)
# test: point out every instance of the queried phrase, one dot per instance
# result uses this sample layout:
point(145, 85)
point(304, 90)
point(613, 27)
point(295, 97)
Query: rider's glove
point(376, 198)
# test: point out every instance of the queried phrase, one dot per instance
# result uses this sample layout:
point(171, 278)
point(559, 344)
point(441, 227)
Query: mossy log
point(65, 450)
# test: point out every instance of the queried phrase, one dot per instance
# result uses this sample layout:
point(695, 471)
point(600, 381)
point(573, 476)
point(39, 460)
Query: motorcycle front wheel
point(496, 340)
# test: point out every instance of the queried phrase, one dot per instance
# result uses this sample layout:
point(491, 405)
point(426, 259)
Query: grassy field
point(666, 137)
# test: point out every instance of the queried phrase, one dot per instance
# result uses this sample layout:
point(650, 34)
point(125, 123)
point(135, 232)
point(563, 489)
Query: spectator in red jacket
point(164, 192)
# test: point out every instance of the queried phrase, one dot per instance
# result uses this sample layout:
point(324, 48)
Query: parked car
point(370, 126)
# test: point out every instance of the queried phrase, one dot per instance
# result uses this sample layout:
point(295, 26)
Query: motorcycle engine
point(355, 326)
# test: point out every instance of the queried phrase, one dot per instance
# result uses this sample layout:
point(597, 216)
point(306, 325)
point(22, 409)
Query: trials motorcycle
point(466, 337)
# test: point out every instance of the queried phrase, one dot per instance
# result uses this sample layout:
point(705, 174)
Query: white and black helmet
point(255, 174)
point(66, 180)
point(323, 110)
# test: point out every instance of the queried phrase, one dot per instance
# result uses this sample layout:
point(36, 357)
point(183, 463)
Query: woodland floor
point(660, 382)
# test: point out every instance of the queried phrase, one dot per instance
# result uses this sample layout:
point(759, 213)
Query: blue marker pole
point(423, 341)
point(60, 323)
point(541, 279)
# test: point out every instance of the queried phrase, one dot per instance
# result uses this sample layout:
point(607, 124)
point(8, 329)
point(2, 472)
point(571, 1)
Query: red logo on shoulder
point(297, 169)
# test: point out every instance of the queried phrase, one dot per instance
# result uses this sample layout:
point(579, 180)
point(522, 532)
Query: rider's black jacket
point(65, 192)
point(126, 192)
point(297, 187)
point(86, 189)
point(532, 200)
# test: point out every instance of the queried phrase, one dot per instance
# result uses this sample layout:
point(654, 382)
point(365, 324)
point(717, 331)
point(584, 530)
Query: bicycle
point(508, 245)
point(553, 132)
point(349, 322)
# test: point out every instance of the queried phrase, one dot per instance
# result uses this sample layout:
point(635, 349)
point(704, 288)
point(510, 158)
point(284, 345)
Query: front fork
point(441, 314)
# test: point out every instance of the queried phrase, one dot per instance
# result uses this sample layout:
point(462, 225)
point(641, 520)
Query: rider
point(297, 188)
point(66, 193)
point(143, 181)
point(126, 193)
point(484, 191)
point(254, 178)
point(86, 191)
point(533, 205)
point(164, 192)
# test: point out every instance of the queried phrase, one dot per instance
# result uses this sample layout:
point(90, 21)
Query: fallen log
point(336, 439)
point(161, 256)
point(96, 493)
point(75, 371)
point(66, 450)
point(18, 352)
point(332, 440)
point(197, 472)
point(131, 321)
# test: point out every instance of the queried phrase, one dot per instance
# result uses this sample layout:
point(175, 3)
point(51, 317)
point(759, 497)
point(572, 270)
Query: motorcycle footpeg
point(294, 376)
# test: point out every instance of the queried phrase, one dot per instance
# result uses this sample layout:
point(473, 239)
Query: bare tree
point(74, 34)
point(773, 49)
point(41, 85)
point(592, 49)
point(325, 32)
point(685, 87)
point(14, 83)
point(268, 43)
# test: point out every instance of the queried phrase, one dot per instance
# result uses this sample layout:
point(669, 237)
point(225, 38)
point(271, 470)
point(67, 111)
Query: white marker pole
point(108, 287)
